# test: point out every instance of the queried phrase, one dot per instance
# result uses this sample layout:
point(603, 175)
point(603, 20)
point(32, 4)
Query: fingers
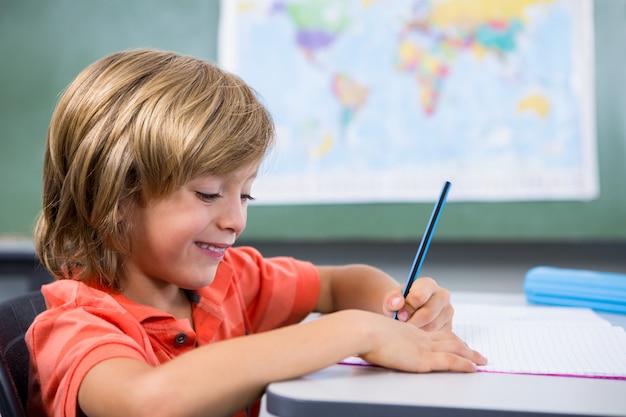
point(444, 361)
point(432, 317)
point(448, 342)
point(427, 306)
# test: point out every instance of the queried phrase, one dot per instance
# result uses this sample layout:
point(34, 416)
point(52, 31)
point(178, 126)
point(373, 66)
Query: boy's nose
point(233, 215)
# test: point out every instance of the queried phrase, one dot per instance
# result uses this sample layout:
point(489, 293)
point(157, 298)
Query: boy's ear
point(124, 220)
point(124, 210)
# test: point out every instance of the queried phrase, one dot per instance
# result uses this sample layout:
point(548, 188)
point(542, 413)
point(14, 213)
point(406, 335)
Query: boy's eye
point(207, 197)
point(213, 197)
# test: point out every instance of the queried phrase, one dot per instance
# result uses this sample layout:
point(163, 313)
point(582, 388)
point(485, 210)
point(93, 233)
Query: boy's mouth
point(210, 247)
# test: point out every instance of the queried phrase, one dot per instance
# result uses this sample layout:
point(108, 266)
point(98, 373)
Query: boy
point(149, 164)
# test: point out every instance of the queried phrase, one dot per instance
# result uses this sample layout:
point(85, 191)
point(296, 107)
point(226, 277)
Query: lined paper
point(474, 313)
point(541, 340)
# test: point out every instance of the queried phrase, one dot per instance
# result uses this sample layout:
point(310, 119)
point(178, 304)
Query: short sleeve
point(277, 291)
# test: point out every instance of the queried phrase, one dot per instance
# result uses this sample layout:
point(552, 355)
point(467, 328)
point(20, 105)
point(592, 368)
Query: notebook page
point(475, 313)
point(548, 349)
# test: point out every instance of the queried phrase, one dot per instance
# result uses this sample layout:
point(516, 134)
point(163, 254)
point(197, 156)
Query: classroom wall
point(45, 43)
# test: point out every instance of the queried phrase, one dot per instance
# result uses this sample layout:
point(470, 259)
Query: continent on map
point(318, 23)
point(536, 103)
point(351, 95)
point(429, 70)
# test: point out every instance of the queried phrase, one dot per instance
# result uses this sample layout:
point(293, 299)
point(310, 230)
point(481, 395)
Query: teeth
point(211, 247)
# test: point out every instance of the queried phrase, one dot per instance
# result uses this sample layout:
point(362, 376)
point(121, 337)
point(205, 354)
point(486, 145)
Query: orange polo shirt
point(84, 325)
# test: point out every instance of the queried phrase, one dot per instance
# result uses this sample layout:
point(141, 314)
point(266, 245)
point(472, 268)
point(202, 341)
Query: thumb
point(396, 302)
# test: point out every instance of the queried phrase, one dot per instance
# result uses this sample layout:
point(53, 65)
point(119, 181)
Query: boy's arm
point(368, 288)
point(221, 378)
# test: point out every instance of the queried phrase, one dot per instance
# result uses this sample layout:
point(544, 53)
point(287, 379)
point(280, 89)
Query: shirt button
point(180, 339)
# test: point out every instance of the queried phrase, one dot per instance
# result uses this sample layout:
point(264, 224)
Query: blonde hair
point(134, 126)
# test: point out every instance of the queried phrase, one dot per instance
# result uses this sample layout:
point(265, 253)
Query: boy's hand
point(427, 306)
point(400, 346)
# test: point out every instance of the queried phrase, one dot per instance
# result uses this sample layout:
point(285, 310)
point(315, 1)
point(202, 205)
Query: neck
point(165, 297)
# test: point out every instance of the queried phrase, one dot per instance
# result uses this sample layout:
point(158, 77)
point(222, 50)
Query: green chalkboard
point(45, 43)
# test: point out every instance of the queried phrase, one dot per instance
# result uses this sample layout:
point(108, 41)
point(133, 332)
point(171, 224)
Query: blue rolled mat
point(602, 291)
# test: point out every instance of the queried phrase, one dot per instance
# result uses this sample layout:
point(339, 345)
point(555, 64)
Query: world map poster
point(384, 100)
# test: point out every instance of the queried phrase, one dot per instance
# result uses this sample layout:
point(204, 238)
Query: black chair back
point(16, 316)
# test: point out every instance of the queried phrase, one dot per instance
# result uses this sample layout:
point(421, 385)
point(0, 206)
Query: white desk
point(344, 390)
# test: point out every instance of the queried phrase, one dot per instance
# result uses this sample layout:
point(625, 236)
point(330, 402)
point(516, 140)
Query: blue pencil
point(425, 242)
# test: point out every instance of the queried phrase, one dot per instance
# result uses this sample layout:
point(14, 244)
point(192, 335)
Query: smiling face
point(179, 240)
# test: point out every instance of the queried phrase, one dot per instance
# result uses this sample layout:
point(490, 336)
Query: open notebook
point(541, 340)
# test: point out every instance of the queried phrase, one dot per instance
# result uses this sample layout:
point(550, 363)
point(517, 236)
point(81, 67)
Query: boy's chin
point(206, 280)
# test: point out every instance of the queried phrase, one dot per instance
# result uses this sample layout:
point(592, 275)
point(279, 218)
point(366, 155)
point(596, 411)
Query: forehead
point(244, 174)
